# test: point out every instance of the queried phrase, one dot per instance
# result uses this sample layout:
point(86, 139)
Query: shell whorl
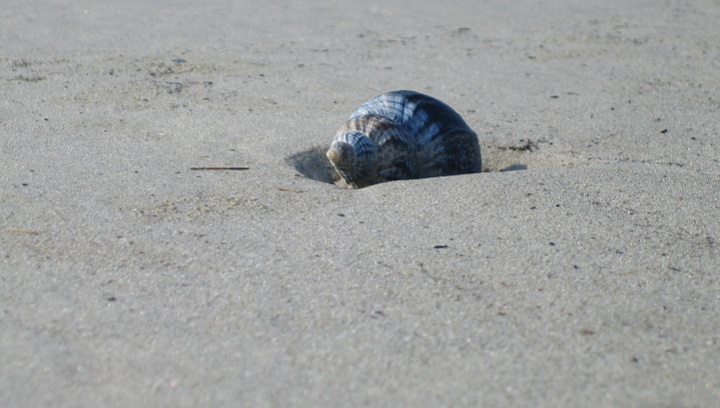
point(353, 155)
point(403, 135)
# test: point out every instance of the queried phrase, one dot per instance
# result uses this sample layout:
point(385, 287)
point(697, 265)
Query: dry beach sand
point(588, 276)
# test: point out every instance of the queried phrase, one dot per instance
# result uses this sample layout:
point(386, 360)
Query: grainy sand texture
point(580, 269)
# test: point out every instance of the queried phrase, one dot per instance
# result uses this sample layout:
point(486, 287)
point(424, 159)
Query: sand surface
point(585, 277)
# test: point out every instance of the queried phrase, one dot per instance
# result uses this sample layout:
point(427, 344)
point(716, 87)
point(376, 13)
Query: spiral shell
point(403, 135)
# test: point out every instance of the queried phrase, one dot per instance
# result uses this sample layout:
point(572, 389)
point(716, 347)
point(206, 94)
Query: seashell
point(403, 135)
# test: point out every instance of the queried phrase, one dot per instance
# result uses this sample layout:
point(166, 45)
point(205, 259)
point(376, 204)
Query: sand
point(580, 269)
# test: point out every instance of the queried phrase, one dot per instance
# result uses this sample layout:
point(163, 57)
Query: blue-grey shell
point(404, 135)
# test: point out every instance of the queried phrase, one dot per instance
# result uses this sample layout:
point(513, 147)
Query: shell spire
point(403, 135)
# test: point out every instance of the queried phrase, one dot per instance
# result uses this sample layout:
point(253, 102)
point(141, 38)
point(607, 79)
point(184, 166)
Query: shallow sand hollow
point(579, 269)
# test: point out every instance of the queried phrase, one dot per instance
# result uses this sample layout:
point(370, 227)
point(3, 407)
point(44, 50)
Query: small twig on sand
point(219, 168)
point(22, 231)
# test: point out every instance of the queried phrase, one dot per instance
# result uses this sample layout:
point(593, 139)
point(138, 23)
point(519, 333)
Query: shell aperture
point(403, 135)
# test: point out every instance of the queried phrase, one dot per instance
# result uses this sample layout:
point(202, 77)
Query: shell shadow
point(515, 167)
point(507, 157)
point(313, 164)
